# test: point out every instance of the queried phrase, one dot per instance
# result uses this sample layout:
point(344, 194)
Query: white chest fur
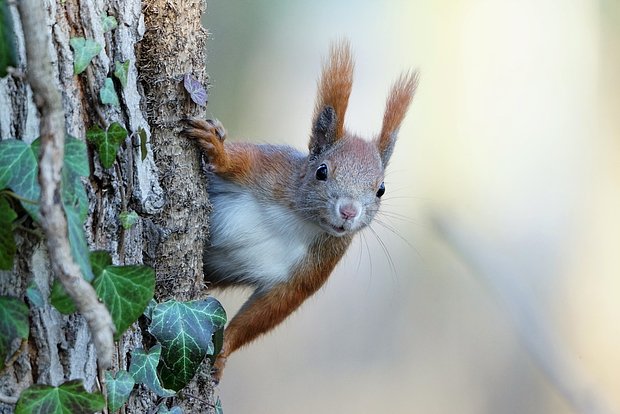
point(253, 241)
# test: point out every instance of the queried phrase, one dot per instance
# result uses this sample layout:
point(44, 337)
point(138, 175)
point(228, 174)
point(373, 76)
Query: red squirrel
point(282, 219)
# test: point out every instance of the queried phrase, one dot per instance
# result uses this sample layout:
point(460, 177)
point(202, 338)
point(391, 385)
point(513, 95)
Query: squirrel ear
point(398, 101)
point(323, 130)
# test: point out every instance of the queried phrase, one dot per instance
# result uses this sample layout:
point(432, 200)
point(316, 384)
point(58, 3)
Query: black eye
point(321, 172)
point(381, 190)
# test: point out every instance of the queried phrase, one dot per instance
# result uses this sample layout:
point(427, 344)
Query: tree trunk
point(163, 40)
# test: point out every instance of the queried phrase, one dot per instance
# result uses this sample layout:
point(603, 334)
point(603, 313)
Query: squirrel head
point(342, 186)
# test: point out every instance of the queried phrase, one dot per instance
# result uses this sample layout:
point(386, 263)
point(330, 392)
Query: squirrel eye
point(381, 190)
point(321, 172)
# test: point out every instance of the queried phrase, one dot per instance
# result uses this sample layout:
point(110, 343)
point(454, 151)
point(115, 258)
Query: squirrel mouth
point(334, 229)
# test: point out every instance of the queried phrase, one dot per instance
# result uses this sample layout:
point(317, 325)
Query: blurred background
point(491, 281)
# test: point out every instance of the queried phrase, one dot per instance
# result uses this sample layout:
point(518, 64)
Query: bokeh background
point(491, 282)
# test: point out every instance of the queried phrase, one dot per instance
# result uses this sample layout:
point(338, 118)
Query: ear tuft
point(334, 88)
point(398, 101)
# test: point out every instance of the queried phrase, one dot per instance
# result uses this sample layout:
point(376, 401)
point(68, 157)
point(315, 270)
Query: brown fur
point(398, 101)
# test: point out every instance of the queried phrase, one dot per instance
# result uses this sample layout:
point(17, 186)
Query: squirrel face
point(342, 187)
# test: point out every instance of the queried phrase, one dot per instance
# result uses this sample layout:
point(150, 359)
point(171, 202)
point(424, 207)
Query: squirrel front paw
point(210, 135)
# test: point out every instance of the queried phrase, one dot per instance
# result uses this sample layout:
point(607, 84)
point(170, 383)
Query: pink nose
point(348, 212)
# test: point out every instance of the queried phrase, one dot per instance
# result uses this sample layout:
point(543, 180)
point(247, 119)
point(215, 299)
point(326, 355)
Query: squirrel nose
point(348, 211)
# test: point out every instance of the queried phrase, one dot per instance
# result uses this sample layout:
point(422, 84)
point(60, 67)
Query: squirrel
point(282, 219)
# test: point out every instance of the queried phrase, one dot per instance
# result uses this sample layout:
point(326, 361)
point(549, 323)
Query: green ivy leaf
point(107, 94)
point(107, 142)
point(76, 157)
point(7, 241)
point(165, 410)
point(61, 300)
point(118, 388)
point(99, 260)
point(143, 149)
point(218, 406)
point(184, 330)
point(77, 240)
point(108, 23)
point(121, 70)
point(148, 312)
point(8, 54)
point(125, 290)
point(84, 50)
point(143, 368)
point(75, 166)
point(19, 171)
point(34, 295)
point(13, 324)
point(70, 397)
point(218, 343)
point(128, 219)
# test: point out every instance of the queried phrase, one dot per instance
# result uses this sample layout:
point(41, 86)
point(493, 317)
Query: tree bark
point(163, 40)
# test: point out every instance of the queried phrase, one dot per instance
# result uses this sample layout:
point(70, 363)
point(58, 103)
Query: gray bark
point(166, 189)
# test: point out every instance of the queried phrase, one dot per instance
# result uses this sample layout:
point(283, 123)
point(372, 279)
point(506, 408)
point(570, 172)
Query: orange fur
point(398, 101)
point(335, 83)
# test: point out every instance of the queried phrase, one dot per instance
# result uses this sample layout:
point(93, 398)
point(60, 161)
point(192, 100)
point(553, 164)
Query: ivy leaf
point(13, 324)
point(218, 343)
point(107, 142)
point(8, 54)
point(128, 219)
point(61, 300)
point(143, 149)
point(218, 406)
point(7, 241)
point(165, 410)
point(125, 290)
point(70, 397)
point(77, 240)
point(143, 368)
point(118, 388)
point(99, 260)
point(120, 71)
point(84, 50)
point(196, 91)
point(34, 295)
point(108, 23)
point(148, 312)
point(76, 157)
point(75, 166)
point(107, 94)
point(19, 171)
point(184, 330)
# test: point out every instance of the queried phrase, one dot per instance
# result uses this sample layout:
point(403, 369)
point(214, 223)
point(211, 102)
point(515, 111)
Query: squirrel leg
point(261, 313)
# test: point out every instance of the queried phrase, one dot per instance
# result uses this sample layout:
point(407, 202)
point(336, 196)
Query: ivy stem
point(18, 197)
point(53, 220)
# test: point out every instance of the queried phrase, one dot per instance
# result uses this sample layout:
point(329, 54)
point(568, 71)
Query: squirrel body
point(282, 219)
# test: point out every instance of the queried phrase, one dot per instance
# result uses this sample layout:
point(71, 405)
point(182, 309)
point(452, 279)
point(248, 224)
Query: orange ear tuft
point(335, 84)
point(398, 101)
